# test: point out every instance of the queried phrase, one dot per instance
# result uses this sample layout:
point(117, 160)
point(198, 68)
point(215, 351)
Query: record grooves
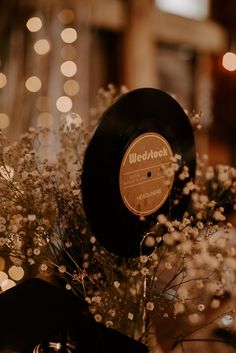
point(124, 182)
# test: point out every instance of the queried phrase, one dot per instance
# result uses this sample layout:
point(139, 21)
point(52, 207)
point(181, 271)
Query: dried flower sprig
point(42, 224)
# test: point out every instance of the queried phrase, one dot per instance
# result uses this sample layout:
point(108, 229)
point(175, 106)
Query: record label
point(144, 184)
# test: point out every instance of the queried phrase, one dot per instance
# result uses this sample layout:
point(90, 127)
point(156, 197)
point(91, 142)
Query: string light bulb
point(229, 61)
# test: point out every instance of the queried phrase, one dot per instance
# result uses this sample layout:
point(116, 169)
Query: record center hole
point(149, 174)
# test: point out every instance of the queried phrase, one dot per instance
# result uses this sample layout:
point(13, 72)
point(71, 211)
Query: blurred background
point(55, 55)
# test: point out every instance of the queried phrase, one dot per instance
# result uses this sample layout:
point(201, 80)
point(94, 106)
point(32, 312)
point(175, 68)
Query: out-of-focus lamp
point(229, 61)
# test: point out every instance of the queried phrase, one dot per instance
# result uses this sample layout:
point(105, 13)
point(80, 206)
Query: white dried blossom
point(130, 316)
point(201, 307)
point(150, 306)
point(98, 317)
point(116, 284)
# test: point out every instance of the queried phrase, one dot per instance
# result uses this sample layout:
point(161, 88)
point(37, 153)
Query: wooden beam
point(139, 62)
point(105, 14)
point(205, 36)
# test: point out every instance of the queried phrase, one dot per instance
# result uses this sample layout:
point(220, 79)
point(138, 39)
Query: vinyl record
point(127, 180)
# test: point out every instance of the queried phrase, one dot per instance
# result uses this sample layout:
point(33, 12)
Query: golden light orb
point(64, 104)
point(42, 46)
point(4, 121)
point(33, 84)
point(69, 35)
point(68, 68)
point(71, 87)
point(66, 16)
point(229, 61)
point(3, 80)
point(45, 120)
point(34, 24)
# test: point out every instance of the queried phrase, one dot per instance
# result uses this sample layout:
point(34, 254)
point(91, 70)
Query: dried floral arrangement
point(43, 229)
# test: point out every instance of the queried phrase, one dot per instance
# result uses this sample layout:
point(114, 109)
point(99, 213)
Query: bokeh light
point(42, 46)
point(66, 16)
point(43, 103)
point(71, 87)
point(45, 120)
point(68, 52)
point(3, 80)
point(64, 104)
point(2, 263)
point(34, 24)
point(229, 61)
point(33, 84)
point(69, 35)
point(4, 121)
point(68, 68)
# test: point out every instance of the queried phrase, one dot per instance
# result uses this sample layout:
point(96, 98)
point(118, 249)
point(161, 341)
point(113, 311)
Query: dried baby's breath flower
point(36, 251)
point(218, 216)
point(43, 224)
point(68, 286)
point(130, 316)
point(168, 265)
point(150, 241)
point(31, 217)
point(162, 219)
point(144, 271)
point(150, 306)
point(116, 284)
point(2, 241)
point(143, 259)
point(201, 307)
point(93, 240)
point(62, 269)
point(109, 323)
point(44, 267)
point(98, 317)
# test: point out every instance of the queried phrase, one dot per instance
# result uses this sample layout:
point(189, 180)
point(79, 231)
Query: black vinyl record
point(127, 180)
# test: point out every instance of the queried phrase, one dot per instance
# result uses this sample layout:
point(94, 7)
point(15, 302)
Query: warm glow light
point(34, 24)
point(42, 46)
point(2, 264)
point(68, 68)
point(45, 120)
point(69, 35)
point(71, 87)
point(229, 61)
point(66, 16)
point(64, 104)
point(3, 80)
point(68, 52)
point(33, 84)
point(43, 103)
point(4, 121)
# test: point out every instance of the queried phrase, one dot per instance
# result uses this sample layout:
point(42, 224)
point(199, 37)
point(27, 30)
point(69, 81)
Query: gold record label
point(144, 184)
